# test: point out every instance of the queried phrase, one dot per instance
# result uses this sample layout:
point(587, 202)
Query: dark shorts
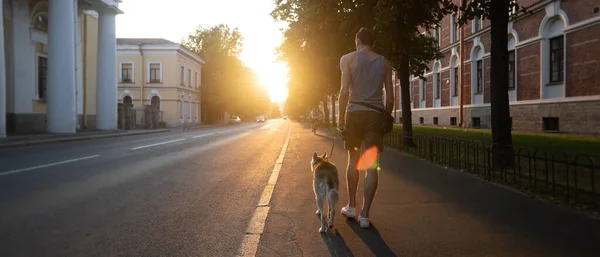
point(363, 127)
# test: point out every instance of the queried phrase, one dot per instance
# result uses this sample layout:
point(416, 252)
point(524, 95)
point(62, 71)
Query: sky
point(175, 19)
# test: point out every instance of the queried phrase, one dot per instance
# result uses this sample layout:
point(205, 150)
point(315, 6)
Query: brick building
point(554, 71)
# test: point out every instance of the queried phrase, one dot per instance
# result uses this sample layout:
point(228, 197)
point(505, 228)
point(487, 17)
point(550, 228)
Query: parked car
point(260, 119)
point(234, 120)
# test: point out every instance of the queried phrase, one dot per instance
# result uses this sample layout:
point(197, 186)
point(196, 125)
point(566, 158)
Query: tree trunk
point(501, 134)
point(406, 110)
point(326, 110)
point(333, 119)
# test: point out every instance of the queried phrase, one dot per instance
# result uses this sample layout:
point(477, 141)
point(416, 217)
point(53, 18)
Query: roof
point(145, 41)
point(126, 44)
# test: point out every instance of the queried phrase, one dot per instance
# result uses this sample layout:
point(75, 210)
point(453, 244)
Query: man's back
point(368, 71)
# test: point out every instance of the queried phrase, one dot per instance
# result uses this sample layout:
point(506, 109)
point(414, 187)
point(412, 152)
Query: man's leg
point(352, 176)
point(372, 176)
point(371, 181)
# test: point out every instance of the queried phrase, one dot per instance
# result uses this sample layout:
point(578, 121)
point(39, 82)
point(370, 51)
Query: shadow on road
point(336, 244)
point(371, 238)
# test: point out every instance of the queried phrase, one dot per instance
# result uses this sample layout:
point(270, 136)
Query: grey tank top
point(367, 83)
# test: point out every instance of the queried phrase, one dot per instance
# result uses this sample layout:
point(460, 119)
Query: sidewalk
point(420, 209)
point(37, 139)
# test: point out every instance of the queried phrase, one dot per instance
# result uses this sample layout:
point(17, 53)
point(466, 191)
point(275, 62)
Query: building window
point(556, 59)
point(477, 24)
point(435, 120)
point(438, 85)
point(182, 75)
point(126, 72)
point(196, 79)
point(511, 69)
point(454, 26)
point(155, 73)
point(155, 102)
point(452, 121)
point(550, 123)
point(437, 35)
point(423, 89)
point(421, 120)
point(42, 76)
point(476, 122)
point(455, 82)
point(412, 85)
point(479, 77)
point(40, 22)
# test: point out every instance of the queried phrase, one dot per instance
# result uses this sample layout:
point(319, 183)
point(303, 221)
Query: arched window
point(155, 102)
point(437, 85)
point(40, 22)
point(127, 100)
point(454, 79)
point(477, 75)
point(553, 58)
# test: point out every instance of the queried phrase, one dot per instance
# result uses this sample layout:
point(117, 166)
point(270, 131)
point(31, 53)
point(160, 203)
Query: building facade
point(554, 71)
point(163, 74)
point(51, 52)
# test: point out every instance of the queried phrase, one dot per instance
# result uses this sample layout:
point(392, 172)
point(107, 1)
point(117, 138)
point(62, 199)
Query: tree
point(227, 85)
point(399, 26)
point(498, 11)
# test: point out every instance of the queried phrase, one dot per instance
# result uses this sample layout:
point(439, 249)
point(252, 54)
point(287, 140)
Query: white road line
point(47, 165)
point(203, 135)
point(259, 218)
point(162, 143)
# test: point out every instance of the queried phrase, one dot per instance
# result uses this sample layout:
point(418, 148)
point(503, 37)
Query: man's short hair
point(365, 36)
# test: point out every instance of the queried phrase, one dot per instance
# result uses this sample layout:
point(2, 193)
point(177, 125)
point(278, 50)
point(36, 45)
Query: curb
point(79, 138)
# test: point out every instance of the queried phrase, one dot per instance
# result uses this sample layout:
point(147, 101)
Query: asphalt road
point(170, 194)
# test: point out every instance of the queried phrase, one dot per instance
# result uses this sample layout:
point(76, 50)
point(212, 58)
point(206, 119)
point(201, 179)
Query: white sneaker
point(348, 211)
point(364, 222)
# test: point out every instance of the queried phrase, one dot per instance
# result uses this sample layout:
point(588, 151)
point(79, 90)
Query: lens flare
point(368, 160)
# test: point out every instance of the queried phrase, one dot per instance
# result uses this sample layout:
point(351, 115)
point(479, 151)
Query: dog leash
point(332, 146)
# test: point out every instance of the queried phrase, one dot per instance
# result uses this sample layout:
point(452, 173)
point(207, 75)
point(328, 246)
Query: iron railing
point(571, 179)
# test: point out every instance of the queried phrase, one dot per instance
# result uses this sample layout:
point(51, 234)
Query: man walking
point(364, 74)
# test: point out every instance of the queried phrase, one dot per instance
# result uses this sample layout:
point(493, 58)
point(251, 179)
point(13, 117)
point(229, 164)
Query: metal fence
point(572, 179)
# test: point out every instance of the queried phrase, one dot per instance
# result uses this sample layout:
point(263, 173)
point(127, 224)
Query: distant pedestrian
point(364, 74)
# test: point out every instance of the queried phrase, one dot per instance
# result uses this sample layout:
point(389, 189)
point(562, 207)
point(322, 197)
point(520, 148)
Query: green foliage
point(227, 85)
point(400, 26)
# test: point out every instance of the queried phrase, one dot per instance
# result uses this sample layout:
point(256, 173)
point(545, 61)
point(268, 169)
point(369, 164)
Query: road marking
point(203, 135)
point(259, 218)
point(163, 143)
point(47, 165)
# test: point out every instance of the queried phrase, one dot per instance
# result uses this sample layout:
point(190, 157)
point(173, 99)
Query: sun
point(274, 78)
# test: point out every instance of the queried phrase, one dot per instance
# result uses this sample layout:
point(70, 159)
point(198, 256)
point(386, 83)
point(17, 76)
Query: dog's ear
point(324, 156)
point(315, 156)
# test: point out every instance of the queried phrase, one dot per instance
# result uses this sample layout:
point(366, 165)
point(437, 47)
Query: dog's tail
point(332, 192)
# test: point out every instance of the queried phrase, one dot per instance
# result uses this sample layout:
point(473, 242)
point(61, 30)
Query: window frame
point(38, 92)
point(479, 76)
point(455, 82)
point(512, 64)
point(132, 80)
point(438, 85)
point(560, 54)
point(160, 76)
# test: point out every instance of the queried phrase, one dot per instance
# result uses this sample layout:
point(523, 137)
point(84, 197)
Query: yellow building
point(50, 53)
point(161, 73)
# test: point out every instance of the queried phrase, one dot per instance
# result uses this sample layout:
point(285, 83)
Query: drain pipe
point(143, 78)
point(84, 46)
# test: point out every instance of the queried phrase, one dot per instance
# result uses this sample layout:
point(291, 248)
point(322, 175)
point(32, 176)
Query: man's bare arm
point(389, 87)
point(344, 90)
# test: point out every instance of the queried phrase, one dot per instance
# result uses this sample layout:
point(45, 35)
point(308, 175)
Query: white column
point(106, 87)
point(21, 85)
point(78, 62)
point(61, 66)
point(2, 77)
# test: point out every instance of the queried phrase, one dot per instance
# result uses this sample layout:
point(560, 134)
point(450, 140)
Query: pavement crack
point(290, 232)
